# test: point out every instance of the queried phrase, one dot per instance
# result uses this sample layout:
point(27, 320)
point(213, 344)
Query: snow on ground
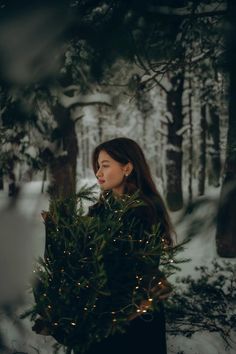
point(22, 240)
point(202, 251)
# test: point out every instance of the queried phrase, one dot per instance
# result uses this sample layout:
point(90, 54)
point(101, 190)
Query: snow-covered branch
point(171, 147)
point(213, 9)
point(162, 132)
point(183, 130)
point(200, 56)
point(70, 97)
point(169, 117)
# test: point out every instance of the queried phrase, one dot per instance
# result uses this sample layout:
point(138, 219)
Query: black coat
point(146, 333)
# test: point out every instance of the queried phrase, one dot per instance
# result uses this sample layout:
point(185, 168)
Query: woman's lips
point(101, 181)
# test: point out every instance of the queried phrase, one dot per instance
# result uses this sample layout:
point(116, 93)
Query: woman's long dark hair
point(125, 150)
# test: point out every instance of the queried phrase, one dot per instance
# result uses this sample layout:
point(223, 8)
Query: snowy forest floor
point(23, 239)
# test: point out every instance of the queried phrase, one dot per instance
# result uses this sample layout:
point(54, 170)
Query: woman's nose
point(98, 174)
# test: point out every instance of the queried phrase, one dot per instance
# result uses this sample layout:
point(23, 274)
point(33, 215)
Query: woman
point(121, 168)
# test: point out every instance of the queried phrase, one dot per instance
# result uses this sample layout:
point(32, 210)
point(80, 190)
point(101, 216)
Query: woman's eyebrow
point(105, 161)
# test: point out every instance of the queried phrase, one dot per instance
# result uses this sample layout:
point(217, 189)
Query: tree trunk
point(12, 189)
point(83, 148)
point(214, 147)
point(63, 168)
point(1, 180)
point(226, 221)
point(174, 195)
point(87, 149)
point(145, 107)
point(202, 147)
point(161, 158)
point(44, 179)
point(190, 161)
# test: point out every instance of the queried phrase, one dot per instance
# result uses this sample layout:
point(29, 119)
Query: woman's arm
point(162, 289)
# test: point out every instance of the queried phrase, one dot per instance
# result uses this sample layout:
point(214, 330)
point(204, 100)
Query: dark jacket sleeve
point(143, 216)
point(143, 225)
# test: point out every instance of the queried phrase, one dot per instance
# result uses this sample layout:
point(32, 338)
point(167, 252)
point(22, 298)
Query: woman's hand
point(161, 291)
point(143, 307)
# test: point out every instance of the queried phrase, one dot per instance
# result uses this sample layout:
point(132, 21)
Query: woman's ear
point(128, 168)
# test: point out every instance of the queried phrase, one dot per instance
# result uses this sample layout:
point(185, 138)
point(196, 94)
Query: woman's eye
point(104, 166)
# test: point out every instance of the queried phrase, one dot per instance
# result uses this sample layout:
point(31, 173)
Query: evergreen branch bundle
point(95, 271)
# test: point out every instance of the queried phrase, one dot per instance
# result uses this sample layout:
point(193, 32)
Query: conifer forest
point(76, 73)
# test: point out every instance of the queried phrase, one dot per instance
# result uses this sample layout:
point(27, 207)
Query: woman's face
point(111, 173)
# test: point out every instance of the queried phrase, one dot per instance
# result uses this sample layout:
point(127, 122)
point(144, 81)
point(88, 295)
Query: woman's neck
point(118, 192)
